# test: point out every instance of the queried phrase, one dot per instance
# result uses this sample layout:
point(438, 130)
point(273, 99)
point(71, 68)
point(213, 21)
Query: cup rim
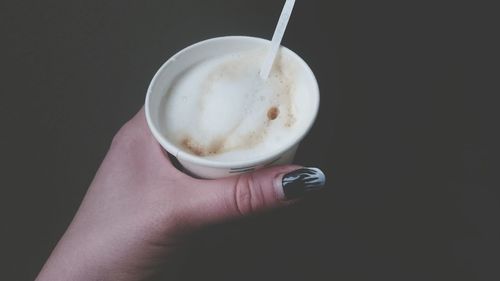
point(198, 160)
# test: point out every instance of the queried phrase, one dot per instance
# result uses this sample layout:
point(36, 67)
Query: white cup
point(180, 62)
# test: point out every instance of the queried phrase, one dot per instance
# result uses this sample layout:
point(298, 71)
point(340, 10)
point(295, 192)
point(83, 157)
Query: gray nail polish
point(297, 183)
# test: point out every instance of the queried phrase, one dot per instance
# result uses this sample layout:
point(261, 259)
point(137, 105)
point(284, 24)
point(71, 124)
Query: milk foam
point(221, 109)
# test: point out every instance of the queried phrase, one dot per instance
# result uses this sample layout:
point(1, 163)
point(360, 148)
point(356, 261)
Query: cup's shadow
point(178, 165)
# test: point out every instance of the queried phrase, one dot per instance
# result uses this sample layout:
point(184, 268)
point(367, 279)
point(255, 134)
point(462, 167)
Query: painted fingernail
point(299, 182)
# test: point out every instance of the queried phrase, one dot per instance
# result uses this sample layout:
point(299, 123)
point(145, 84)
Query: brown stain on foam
point(286, 98)
point(198, 149)
point(192, 146)
point(273, 113)
point(285, 103)
point(219, 145)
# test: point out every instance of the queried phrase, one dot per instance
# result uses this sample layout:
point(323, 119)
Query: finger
point(247, 194)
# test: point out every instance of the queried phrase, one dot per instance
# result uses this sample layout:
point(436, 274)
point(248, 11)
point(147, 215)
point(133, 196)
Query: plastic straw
point(277, 37)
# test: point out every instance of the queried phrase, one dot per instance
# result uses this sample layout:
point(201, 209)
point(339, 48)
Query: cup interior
point(307, 102)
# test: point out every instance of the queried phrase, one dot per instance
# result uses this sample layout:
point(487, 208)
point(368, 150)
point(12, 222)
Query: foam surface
point(222, 109)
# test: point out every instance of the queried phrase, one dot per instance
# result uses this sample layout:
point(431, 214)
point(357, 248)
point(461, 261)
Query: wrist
point(90, 256)
point(70, 263)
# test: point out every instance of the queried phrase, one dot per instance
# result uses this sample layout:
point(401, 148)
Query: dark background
point(407, 132)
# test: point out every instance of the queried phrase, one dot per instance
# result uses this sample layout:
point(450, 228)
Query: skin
point(139, 209)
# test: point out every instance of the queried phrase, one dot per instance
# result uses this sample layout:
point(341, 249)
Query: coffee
point(208, 107)
point(220, 108)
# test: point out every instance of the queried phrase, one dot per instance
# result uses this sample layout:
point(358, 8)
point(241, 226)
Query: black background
point(407, 132)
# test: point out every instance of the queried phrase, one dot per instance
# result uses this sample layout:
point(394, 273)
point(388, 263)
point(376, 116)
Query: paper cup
point(183, 60)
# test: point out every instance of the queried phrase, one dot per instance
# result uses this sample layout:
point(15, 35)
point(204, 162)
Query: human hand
point(139, 207)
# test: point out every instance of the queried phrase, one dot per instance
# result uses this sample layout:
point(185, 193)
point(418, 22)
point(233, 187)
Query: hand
point(139, 207)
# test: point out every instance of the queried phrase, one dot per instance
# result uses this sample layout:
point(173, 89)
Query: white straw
point(277, 37)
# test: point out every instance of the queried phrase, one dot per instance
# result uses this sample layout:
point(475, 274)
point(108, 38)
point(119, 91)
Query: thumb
point(262, 190)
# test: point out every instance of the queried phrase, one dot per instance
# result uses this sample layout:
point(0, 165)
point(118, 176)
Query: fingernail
point(299, 182)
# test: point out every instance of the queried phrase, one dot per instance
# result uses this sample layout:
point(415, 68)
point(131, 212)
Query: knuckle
point(248, 196)
point(126, 136)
